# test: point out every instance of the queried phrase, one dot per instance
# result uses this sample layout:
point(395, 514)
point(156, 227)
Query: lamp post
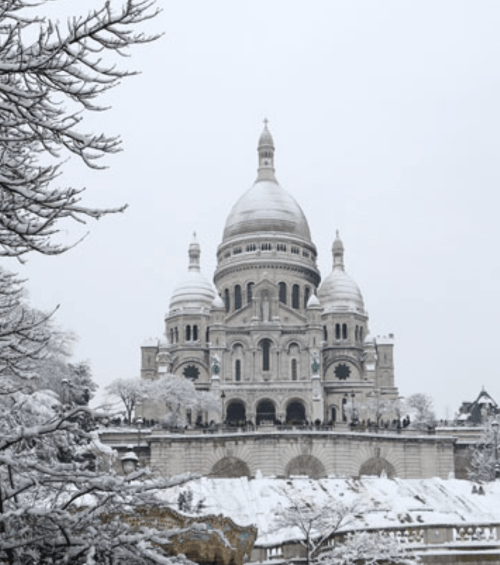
point(222, 397)
point(494, 426)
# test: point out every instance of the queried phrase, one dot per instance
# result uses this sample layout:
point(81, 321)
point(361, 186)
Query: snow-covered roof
point(380, 502)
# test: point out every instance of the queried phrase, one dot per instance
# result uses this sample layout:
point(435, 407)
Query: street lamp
point(494, 426)
point(222, 397)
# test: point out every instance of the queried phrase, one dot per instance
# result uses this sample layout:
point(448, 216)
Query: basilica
point(273, 341)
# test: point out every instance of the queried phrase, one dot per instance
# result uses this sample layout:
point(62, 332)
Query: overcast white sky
point(386, 120)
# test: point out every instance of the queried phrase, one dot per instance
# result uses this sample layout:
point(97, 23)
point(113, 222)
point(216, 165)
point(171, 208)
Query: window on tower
point(188, 333)
point(282, 287)
point(307, 294)
point(294, 369)
point(237, 370)
point(337, 331)
point(237, 297)
point(249, 292)
point(227, 303)
point(296, 296)
point(266, 354)
point(345, 334)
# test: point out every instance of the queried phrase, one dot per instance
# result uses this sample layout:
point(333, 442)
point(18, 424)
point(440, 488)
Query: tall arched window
point(237, 297)
point(207, 335)
point(325, 333)
point(176, 335)
point(345, 334)
point(171, 336)
point(249, 292)
point(195, 333)
point(296, 296)
point(188, 333)
point(266, 354)
point(227, 303)
point(282, 286)
point(294, 369)
point(337, 331)
point(307, 294)
point(356, 333)
point(237, 370)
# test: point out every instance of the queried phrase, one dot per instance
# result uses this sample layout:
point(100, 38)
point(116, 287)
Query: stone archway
point(230, 468)
point(265, 413)
point(236, 413)
point(377, 466)
point(295, 413)
point(306, 465)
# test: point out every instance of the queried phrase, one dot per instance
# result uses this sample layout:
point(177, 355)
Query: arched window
point(361, 333)
point(207, 335)
point(296, 296)
point(356, 333)
point(176, 335)
point(266, 354)
point(249, 292)
point(237, 370)
point(294, 369)
point(188, 333)
point(307, 294)
point(337, 331)
point(325, 333)
point(344, 331)
point(195, 333)
point(227, 303)
point(171, 335)
point(237, 297)
point(282, 286)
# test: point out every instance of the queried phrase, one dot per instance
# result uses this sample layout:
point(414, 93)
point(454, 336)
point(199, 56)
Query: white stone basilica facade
point(271, 339)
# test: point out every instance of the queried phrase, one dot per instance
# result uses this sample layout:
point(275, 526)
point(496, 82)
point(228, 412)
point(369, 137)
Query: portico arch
point(266, 412)
point(295, 413)
point(236, 413)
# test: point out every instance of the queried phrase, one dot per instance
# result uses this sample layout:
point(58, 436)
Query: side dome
point(194, 292)
point(266, 206)
point(339, 292)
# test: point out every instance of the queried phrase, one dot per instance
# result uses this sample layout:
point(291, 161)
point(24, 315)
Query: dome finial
point(266, 155)
point(194, 254)
point(338, 253)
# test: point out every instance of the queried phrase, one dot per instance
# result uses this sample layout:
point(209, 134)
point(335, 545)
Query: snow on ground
point(379, 502)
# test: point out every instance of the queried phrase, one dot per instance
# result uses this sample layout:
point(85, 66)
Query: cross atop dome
point(266, 155)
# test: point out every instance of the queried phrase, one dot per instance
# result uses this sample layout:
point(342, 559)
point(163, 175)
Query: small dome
point(194, 292)
point(313, 302)
point(218, 303)
point(339, 292)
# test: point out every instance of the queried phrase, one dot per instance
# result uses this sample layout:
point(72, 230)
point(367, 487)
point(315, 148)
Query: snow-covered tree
point(50, 76)
point(367, 548)
point(177, 394)
point(421, 409)
point(129, 392)
point(314, 524)
point(484, 461)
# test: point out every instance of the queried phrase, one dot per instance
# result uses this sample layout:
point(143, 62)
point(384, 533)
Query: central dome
point(266, 206)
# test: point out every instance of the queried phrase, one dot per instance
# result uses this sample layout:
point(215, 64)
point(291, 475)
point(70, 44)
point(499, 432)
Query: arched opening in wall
point(207, 335)
point(282, 287)
point(171, 336)
point(236, 413)
point(237, 370)
point(230, 468)
point(305, 465)
point(295, 414)
point(266, 412)
point(377, 466)
point(345, 334)
point(195, 333)
point(249, 292)
point(325, 333)
point(337, 331)
point(344, 415)
point(237, 297)
point(265, 345)
point(296, 296)
point(188, 333)
point(294, 369)
point(361, 333)
point(307, 294)
point(356, 333)
point(176, 335)
point(227, 303)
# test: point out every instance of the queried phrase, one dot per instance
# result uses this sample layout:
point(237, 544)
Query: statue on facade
point(215, 365)
point(315, 362)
